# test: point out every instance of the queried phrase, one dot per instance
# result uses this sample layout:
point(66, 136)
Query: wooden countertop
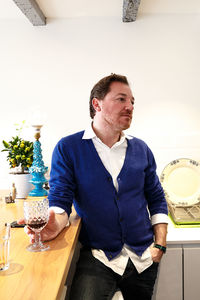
point(36, 275)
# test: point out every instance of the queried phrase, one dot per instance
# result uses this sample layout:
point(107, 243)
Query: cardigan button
point(110, 256)
point(109, 179)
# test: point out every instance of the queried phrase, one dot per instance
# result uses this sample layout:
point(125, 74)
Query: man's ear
point(95, 103)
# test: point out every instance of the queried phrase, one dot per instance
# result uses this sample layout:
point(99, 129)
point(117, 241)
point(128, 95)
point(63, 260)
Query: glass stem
point(37, 238)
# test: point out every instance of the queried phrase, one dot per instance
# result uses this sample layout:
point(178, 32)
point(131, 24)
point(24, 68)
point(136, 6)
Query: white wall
point(55, 67)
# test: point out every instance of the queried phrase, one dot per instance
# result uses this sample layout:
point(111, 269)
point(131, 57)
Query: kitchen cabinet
point(191, 262)
point(169, 283)
point(178, 277)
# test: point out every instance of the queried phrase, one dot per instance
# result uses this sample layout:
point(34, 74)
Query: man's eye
point(121, 99)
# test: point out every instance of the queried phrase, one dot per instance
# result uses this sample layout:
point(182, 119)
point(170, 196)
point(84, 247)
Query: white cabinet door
point(191, 272)
point(169, 281)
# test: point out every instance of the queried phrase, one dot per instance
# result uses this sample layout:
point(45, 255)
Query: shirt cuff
point(59, 210)
point(159, 218)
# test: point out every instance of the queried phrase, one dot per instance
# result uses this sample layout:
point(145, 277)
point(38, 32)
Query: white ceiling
point(76, 8)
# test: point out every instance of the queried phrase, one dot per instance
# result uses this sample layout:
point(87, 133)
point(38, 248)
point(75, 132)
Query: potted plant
point(20, 158)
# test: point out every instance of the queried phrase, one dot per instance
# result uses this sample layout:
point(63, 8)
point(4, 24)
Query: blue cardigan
point(109, 218)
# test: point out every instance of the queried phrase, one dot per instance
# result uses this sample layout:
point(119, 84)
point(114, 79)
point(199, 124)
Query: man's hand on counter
point(54, 226)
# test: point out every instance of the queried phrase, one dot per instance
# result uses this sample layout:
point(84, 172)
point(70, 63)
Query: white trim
point(159, 218)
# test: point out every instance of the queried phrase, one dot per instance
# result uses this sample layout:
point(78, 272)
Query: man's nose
point(129, 105)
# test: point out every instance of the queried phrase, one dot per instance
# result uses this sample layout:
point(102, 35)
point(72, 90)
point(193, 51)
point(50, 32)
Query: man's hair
point(102, 88)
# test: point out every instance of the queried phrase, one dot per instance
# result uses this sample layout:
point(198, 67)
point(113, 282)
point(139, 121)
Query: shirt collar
point(90, 134)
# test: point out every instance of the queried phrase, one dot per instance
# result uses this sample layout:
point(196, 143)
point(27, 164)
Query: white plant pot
point(22, 184)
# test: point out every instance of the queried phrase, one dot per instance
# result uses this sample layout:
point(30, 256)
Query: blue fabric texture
point(109, 218)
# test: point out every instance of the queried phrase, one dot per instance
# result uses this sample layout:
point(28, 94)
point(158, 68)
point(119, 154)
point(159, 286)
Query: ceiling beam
point(32, 11)
point(130, 10)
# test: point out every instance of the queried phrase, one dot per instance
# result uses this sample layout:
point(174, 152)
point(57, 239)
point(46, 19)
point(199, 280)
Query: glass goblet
point(36, 216)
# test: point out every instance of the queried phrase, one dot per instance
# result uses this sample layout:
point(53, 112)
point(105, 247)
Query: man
point(111, 179)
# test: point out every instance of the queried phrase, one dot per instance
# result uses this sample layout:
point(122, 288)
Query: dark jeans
point(95, 281)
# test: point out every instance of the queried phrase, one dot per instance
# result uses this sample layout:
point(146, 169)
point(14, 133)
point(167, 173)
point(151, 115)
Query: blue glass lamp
point(38, 168)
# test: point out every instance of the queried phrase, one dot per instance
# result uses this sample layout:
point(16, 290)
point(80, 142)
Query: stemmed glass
point(36, 216)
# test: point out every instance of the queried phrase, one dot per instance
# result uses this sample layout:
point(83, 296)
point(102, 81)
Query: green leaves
point(20, 152)
point(6, 145)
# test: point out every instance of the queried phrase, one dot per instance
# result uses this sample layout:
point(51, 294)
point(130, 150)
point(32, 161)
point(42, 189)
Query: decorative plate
point(181, 182)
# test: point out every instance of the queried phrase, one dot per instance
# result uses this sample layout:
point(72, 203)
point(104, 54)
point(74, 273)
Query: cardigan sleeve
point(62, 183)
point(153, 190)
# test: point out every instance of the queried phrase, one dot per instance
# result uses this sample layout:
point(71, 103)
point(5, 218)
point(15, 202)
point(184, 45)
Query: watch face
point(180, 180)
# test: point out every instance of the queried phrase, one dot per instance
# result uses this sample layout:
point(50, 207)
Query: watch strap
point(162, 248)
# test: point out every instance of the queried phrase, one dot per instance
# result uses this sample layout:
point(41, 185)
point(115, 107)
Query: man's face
point(117, 106)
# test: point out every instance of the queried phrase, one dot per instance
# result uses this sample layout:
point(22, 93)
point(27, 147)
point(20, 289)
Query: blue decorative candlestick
point(38, 169)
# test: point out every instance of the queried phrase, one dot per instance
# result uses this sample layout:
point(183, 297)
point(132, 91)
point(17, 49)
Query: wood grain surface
point(36, 275)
